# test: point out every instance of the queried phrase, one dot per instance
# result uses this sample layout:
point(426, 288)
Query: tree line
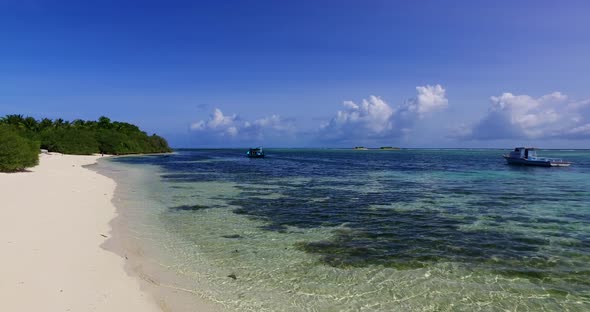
point(22, 137)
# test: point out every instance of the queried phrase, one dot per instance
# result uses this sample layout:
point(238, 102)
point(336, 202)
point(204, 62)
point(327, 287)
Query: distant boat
point(528, 156)
point(389, 148)
point(360, 148)
point(255, 153)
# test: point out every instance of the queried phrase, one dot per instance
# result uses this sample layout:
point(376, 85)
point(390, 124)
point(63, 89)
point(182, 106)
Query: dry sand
point(53, 221)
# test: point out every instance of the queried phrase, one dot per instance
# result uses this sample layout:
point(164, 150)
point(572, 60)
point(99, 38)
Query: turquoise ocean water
point(344, 230)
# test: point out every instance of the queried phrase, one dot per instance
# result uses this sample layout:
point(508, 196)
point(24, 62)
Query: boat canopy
point(524, 152)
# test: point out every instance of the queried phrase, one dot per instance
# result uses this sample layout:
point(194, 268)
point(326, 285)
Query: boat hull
point(537, 163)
point(255, 153)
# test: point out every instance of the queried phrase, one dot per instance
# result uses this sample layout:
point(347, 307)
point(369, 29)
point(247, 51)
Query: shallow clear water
point(344, 230)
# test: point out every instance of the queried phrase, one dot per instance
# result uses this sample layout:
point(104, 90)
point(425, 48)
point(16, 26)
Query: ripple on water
point(346, 231)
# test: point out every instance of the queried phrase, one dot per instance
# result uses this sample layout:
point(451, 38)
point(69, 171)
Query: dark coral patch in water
point(191, 207)
point(233, 236)
point(410, 209)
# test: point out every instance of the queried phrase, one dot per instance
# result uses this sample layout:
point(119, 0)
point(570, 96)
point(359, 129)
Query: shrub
point(112, 142)
point(16, 152)
point(70, 141)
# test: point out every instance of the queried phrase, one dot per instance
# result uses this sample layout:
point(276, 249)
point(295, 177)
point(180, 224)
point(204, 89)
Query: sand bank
point(53, 221)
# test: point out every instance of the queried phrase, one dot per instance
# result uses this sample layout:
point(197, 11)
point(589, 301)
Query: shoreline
point(171, 292)
point(54, 221)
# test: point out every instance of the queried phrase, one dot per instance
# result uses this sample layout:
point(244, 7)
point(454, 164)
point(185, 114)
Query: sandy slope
point(51, 225)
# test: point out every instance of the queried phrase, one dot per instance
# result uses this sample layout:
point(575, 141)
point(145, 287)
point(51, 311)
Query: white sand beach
point(53, 221)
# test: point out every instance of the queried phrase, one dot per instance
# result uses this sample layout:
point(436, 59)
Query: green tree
point(16, 121)
point(30, 124)
point(111, 142)
point(70, 141)
point(16, 152)
point(86, 137)
point(159, 144)
point(59, 123)
point(79, 123)
point(45, 123)
point(104, 122)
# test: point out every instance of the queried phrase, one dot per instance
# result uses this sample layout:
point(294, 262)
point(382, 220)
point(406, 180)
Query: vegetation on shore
point(20, 135)
point(16, 152)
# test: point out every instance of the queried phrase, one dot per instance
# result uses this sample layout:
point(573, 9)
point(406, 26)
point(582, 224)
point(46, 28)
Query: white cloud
point(581, 130)
point(372, 114)
point(429, 99)
point(274, 122)
point(374, 118)
point(232, 126)
point(524, 117)
point(224, 125)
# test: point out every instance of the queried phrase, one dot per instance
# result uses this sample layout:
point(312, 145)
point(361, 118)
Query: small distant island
point(21, 139)
point(384, 148)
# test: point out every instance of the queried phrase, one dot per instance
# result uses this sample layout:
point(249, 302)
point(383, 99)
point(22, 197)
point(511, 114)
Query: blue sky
point(307, 73)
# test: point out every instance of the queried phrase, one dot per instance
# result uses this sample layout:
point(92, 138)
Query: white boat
point(527, 156)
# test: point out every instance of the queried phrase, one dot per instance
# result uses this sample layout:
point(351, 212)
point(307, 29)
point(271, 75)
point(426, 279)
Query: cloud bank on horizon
point(373, 121)
point(232, 127)
point(512, 116)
